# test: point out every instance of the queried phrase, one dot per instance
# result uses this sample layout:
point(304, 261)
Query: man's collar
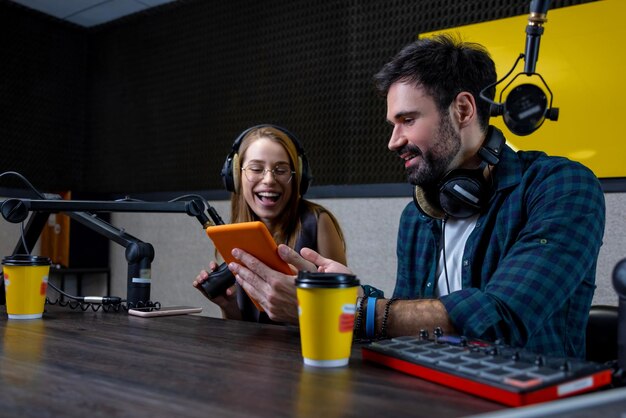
point(508, 172)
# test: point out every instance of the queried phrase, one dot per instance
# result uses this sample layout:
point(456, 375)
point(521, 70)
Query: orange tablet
point(253, 238)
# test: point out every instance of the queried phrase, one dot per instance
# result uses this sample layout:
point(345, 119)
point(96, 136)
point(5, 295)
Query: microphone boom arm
point(139, 254)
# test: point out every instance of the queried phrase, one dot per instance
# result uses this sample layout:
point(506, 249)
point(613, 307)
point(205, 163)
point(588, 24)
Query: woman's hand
point(227, 301)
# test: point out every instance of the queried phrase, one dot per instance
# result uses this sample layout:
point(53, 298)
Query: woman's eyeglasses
point(281, 173)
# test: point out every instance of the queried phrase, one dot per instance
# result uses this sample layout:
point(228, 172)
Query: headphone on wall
point(231, 169)
point(462, 193)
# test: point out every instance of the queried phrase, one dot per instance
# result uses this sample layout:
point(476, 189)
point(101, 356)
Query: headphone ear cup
point(227, 173)
point(230, 172)
point(236, 173)
point(462, 193)
point(423, 204)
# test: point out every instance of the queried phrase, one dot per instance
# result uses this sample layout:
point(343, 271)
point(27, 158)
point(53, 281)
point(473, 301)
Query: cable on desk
point(116, 307)
point(107, 303)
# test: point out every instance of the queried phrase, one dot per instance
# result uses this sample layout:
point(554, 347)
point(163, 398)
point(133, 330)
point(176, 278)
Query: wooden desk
point(101, 364)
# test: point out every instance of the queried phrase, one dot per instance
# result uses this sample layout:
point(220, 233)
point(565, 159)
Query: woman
point(268, 173)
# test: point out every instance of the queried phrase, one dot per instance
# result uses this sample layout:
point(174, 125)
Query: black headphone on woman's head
point(462, 193)
point(232, 169)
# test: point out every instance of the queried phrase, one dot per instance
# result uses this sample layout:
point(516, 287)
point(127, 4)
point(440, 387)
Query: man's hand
point(275, 291)
point(310, 260)
point(324, 265)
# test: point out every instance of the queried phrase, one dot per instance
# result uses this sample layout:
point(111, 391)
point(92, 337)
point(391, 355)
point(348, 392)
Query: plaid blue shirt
point(528, 269)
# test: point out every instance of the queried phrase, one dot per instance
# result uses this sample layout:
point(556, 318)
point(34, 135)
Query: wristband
point(371, 317)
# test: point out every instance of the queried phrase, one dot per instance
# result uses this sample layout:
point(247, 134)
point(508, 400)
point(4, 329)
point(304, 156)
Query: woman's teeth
point(268, 195)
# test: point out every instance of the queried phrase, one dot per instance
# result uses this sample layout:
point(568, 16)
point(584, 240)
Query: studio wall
point(152, 102)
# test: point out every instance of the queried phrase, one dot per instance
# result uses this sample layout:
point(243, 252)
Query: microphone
point(526, 107)
point(534, 30)
point(220, 279)
point(196, 207)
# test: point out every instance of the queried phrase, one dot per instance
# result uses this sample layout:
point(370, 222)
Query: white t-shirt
point(456, 232)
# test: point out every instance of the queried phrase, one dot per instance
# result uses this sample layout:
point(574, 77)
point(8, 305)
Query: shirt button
point(465, 262)
point(543, 241)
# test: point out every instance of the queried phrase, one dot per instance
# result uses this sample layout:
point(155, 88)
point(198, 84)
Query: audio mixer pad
point(504, 374)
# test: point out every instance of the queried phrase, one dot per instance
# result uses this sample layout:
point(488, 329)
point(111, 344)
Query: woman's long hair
point(288, 226)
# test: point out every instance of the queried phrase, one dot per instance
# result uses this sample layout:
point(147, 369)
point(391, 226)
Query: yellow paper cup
point(25, 284)
point(326, 310)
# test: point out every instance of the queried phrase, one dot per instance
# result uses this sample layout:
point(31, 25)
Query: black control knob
point(14, 210)
point(423, 334)
point(438, 332)
point(493, 351)
point(566, 366)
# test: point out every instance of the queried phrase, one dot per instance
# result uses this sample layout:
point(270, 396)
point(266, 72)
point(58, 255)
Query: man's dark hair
point(443, 66)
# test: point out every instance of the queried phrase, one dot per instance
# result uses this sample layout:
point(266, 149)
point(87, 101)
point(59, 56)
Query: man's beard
point(436, 161)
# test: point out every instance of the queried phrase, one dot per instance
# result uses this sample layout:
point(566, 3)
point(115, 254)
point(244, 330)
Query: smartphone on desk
point(149, 312)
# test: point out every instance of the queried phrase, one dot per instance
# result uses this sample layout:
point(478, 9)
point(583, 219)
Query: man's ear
point(464, 108)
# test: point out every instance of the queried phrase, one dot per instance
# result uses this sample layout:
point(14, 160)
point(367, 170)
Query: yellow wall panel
point(582, 58)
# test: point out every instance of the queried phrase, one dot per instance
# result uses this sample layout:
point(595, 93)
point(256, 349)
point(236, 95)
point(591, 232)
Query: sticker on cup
point(326, 311)
point(346, 318)
point(25, 284)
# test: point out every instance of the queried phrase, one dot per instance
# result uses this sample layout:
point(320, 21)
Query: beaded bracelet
point(359, 316)
point(370, 319)
point(383, 330)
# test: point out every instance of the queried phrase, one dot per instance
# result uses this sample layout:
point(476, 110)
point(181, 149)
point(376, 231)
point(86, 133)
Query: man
point(498, 244)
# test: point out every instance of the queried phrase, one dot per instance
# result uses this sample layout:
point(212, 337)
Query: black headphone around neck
point(231, 169)
point(462, 193)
